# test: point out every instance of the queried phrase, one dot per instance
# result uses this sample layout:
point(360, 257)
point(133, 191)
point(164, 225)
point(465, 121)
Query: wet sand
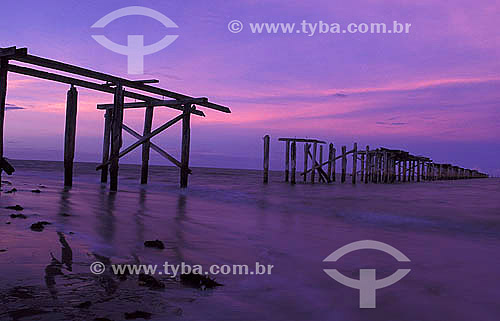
point(450, 230)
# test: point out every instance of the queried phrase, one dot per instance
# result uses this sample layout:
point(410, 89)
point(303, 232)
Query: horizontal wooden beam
point(143, 139)
point(52, 64)
point(86, 84)
point(12, 52)
point(154, 147)
point(301, 140)
point(147, 81)
point(168, 103)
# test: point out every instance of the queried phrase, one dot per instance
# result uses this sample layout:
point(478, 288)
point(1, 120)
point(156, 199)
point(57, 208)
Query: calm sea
point(450, 231)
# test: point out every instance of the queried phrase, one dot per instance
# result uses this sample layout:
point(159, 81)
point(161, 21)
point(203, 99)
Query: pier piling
point(266, 159)
point(148, 123)
point(294, 161)
point(344, 164)
point(354, 162)
point(70, 135)
point(116, 137)
point(186, 140)
point(3, 96)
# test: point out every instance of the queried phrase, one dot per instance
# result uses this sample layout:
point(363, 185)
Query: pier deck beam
point(148, 123)
point(186, 138)
point(70, 135)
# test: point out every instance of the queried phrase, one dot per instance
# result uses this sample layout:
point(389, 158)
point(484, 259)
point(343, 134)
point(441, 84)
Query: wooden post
point(116, 137)
point(334, 170)
point(344, 164)
point(186, 140)
point(320, 159)
point(330, 159)
point(404, 170)
point(379, 167)
point(294, 161)
point(412, 164)
point(393, 162)
point(266, 159)
point(306, 157)
point(367, 168)
point(410, 170)
point(3, 96)
point(354, 162)
point(70, 135)
point(148, 123)
point(287, 160)
point(108, 118)
point(418, 171)
point(386, 167)
point(362, 172)
point(313, 172)
point(389, 166)
point(399, 171)
point(422, 171)
point(373, 168)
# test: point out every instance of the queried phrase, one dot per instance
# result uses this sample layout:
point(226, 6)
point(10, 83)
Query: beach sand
point(450, 230)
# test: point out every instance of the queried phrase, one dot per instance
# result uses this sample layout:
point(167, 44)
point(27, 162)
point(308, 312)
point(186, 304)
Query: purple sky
point(434, 92)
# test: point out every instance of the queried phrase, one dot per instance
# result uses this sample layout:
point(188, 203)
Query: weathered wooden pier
point(381, 165)
point(113, 126)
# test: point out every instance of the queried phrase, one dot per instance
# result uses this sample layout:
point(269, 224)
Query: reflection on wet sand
point(105, 216)
point(54, 268)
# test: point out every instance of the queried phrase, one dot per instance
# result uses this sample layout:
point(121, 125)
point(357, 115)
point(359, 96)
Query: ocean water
point(450, 231)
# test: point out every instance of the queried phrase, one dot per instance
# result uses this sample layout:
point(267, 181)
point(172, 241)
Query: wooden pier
point(380, 165)
point(113, 117)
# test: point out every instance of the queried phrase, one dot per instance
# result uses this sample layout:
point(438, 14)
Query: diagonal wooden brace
point(142, 140)
point(154, 147)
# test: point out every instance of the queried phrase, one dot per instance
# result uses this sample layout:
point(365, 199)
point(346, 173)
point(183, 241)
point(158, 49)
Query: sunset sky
point(433, 92)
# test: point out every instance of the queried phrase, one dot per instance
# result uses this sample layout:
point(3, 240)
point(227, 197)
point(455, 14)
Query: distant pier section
point(380, 165)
